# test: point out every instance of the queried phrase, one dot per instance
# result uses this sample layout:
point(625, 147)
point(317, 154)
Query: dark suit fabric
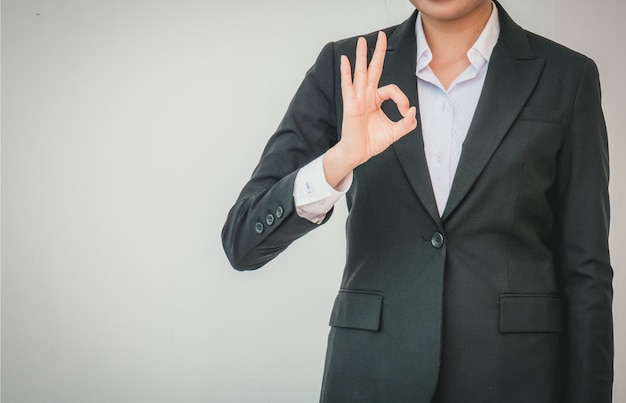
point(507, 296)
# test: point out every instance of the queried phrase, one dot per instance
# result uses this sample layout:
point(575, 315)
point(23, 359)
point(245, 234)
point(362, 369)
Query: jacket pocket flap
point(357, 310)
point(530, 313)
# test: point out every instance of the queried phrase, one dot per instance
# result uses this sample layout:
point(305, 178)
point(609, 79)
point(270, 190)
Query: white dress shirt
point(446, 115)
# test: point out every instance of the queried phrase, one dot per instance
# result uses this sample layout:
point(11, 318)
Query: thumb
point(405, 125)
point(409, 121)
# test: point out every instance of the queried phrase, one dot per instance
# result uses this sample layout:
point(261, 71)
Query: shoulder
point(563, 64)
point(347, 46)
point(526, 45)
point(550, 50)
point(327, 62)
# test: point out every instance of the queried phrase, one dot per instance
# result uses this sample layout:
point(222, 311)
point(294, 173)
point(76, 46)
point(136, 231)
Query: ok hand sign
point(366, 130)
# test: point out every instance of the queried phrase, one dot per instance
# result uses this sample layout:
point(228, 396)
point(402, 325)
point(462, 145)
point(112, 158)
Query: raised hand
point(366, 130)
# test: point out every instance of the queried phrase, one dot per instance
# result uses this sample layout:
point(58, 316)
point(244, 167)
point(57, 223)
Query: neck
point(455, 36)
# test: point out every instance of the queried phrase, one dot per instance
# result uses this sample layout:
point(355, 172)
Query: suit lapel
point(400, 70)
point(512, 76)
point(513, 73)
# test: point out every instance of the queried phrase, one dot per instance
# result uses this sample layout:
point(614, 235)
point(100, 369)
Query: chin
point(449, 10)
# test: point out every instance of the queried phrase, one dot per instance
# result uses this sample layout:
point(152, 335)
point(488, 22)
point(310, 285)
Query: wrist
point(336, 166)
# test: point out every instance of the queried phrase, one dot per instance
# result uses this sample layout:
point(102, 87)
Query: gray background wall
point(128, 128)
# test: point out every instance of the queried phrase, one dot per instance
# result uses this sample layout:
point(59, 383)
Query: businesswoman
point(473, 158)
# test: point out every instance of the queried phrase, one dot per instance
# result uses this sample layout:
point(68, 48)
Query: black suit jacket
point(507, 296)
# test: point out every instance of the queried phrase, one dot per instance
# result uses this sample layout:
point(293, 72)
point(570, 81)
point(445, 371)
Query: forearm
point(260, 226)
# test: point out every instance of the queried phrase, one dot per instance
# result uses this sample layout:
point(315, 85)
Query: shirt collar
point(479, 53)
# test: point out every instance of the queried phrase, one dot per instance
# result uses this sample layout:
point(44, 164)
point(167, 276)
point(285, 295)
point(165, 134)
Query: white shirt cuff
point(313, 196)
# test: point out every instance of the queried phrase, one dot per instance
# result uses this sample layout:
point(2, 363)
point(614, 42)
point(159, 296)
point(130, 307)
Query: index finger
point(375, 69)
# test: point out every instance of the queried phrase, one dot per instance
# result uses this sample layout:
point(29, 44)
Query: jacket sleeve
point(586, 272)
point(263, 221)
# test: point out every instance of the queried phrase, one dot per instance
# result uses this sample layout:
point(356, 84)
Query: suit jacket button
point(258, 227)
point(279, 212)
point(269, 220)
point(437, 240)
